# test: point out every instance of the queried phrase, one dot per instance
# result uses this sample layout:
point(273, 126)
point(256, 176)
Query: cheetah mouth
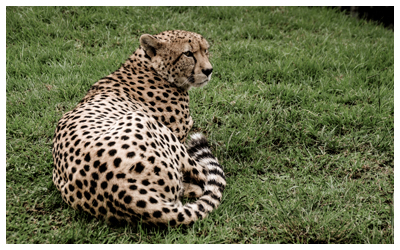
point(196, 81)
point(202, 83)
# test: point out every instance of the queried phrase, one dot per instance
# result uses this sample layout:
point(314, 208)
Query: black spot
point(125, 146)
point(146, 182)
point(201, 208)
point(141, 204)
point(112, 152)
point(139, 167)
point(143, 191)
point(95, 203)
point(130, 154)
point(142, 147)
point(153, 201)
point(172, 222)
point(127, 199)
point(132, 187)
point(187, 212)
point(131, 180)
point(151, 159)
point(77, 152)
point(161, 182)
point(87, 157)
point(125, 138)
point(87, 195)
point(166, 189)
point(191, 162)
point(95, 176)
point(100, 152)
point(181, 217)
point(138, 136)
point(117, 161)
point(166, 210)
point(120, 176)
point(121, 194)
point(157, 214)
point(71, 188)
point(114, 188)
point(96, 164)
point(157, 170)
point(109, 176)
point(92, 190)
point(103, 167)
point(79, 195)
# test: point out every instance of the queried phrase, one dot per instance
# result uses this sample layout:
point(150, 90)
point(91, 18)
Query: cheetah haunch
point(119, 153)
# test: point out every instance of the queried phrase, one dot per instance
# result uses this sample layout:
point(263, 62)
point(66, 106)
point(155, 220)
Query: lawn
point(299, 111)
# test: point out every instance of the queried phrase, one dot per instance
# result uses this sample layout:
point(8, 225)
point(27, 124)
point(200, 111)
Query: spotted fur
point(120, 152)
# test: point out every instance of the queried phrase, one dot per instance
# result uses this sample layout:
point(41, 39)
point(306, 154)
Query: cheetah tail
point(199, 150)
point(176, 213)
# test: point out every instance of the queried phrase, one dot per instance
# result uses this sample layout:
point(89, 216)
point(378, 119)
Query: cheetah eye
point(188, 54)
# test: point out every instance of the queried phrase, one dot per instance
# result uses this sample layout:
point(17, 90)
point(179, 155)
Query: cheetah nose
point(207, 72)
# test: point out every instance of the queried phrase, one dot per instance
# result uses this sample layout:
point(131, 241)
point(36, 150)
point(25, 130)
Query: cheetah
point(120, 154)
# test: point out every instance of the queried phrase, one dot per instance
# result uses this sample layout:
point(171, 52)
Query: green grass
point(300, 112)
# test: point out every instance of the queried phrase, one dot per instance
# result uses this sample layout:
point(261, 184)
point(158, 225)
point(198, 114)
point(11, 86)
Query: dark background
point(381, 14)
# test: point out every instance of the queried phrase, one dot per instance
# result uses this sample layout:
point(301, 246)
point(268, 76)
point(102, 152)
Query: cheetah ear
point(150, 44)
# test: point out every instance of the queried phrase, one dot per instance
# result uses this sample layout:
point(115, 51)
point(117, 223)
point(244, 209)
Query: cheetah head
point(180, 57)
